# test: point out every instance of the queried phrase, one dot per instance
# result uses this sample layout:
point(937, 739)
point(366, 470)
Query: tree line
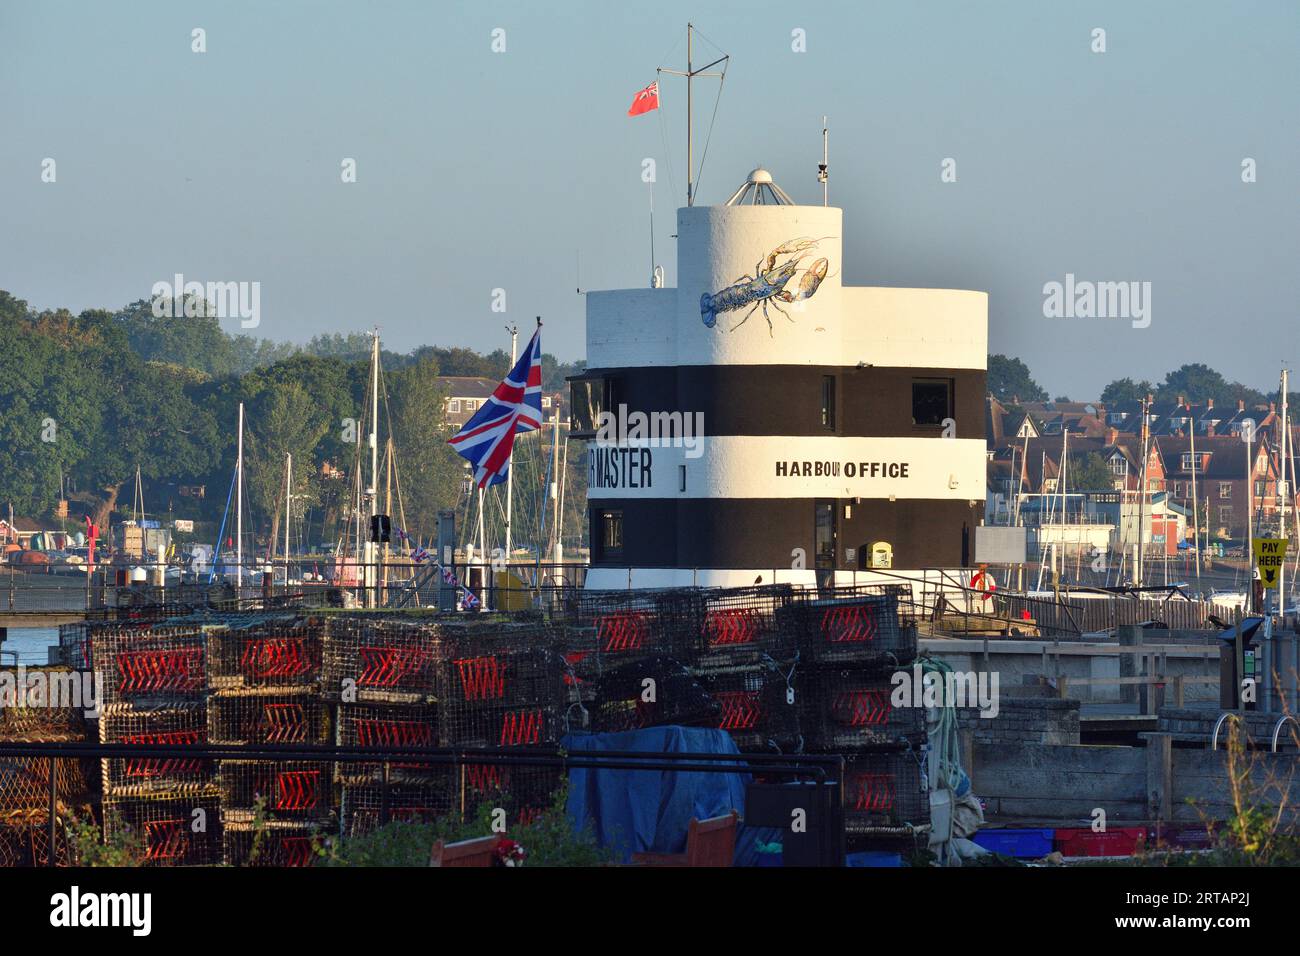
point(86, 399)
point(1010, 379)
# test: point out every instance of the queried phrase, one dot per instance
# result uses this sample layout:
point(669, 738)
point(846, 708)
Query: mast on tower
point(691, 73)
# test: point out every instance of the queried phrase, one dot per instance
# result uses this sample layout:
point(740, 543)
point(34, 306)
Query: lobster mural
point(768, 285)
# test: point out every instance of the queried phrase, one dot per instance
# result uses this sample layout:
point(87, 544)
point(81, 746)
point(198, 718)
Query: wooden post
point(1127, 636)
point(1160, 775)
point(1178, 691)
point(966, 741)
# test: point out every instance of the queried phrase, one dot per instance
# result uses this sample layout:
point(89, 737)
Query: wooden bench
point(708, 843)
point(481, 851)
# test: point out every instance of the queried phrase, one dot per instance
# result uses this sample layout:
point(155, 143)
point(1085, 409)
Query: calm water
point(31, 643)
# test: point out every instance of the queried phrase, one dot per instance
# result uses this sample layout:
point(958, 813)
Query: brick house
point(1221, 485)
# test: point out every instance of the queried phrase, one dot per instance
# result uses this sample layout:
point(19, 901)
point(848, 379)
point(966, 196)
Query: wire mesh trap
point(276, 651)
point(171, 831)
point(179, 725)
point(151, 666)
point(279, 790)
point(394, 727)
point(884, 790)
point(844, 709)
point(652, 692)
point(275, 844)
point(381, 660)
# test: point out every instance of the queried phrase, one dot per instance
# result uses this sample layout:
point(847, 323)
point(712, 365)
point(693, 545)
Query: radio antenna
point(824, 166)
point(651, 188)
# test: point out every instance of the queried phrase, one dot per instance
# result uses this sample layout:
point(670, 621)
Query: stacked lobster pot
point(698, 657)
point(382, 673)
point(851, 643)
point(631, 654)
point(48, 709)
point(749, 664)
point(605, 629)
point(265, 673)
point(649, 691)
point(507, 688)
point(154, 693)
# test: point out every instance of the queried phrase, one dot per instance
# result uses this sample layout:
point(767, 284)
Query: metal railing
point(41, 591)
point(939, 595)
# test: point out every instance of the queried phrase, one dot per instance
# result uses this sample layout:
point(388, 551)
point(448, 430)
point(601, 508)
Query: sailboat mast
point(372, 492)
point(1282, 495)
point(557, 551)
point(374, 426)
point(239, 502)
point(1142, 497)
point(288, 511)
point(1250, 522)
point(1196, 519)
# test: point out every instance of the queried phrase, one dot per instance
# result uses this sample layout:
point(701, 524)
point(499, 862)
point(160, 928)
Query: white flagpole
point(510, 471)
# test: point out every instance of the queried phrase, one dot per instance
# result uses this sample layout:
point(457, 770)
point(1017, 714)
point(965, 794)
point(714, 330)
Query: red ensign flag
point(645, 101)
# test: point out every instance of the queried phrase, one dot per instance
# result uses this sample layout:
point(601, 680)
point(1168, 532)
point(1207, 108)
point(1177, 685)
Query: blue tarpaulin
point(637, 811)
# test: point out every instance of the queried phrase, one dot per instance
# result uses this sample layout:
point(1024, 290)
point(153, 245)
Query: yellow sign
point(1269, 554)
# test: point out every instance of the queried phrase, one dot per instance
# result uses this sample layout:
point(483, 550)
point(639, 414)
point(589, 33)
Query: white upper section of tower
point(759, 283)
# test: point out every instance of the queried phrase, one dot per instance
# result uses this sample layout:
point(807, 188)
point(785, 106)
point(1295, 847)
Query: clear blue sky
point(479, 170)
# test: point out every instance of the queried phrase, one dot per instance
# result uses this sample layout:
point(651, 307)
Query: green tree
point(1126, 390)
point(1089, 473)
point(1009, 378)
point(285, 419)
point(429, 470)
point(1196, 382)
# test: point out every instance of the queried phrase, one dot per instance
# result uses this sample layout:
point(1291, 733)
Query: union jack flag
point(516, 406)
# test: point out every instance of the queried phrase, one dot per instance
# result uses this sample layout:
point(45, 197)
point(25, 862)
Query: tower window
point(828, 402)
point(610, 533)
point(589, 396)
point(931, 401)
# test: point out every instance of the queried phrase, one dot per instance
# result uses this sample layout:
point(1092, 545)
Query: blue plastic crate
point(1026, 843)
point(873, 858)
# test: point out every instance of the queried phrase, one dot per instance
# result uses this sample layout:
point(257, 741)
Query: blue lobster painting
point(768, 285)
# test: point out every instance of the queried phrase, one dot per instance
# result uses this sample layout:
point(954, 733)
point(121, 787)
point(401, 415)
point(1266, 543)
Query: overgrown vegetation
point(1261, 829)
point(90, 847)
point(549, 839)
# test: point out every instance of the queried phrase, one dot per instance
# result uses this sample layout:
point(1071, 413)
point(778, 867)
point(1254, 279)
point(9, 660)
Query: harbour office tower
point(790, 428)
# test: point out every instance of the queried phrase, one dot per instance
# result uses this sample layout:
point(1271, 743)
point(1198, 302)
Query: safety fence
point(953, 599)
point(319, 582)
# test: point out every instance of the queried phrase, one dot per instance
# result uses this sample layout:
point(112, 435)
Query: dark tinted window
point(611, 533)
point(931, 401)
point(824, 534)
point(828, 402)
point(586, 400)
